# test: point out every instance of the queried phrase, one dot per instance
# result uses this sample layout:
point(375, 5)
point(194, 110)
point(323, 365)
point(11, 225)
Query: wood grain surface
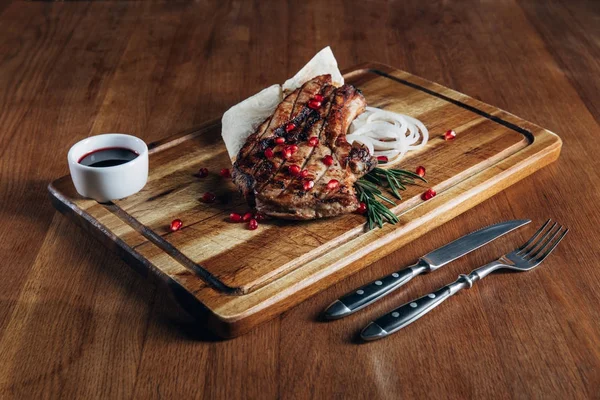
point(75, 323)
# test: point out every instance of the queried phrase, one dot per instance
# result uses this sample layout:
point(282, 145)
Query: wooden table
point(76, 322)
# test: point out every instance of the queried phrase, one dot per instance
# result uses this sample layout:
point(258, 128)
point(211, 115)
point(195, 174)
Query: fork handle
point(412, 311)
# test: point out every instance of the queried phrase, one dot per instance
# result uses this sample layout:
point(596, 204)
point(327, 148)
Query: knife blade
point(368, 294)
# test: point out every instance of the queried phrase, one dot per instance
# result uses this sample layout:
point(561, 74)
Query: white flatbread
point(242, 119)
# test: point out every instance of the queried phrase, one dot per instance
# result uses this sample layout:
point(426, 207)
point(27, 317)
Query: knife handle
point(412, 311)
point(372, 292)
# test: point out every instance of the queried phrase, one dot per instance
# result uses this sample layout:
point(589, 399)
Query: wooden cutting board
point(236, 278)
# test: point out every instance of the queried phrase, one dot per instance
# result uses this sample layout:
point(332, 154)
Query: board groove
point(213, 265)
point(475, 110)
point(168, 248)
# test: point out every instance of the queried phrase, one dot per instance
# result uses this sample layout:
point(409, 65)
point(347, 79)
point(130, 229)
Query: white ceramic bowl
point(109, 183)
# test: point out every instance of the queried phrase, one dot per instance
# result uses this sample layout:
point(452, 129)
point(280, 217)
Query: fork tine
point(535, 235)
point(545, 241)
point(540, 241)
point(547, 253)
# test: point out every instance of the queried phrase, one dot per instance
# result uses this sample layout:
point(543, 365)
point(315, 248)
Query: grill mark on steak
point(337, 123)
point(314, 163)
point(301, 117)
point(251, 155)
point(292, 139)
point(312, 128)
point(353, 104)
point(281, 117)
point(265, 128)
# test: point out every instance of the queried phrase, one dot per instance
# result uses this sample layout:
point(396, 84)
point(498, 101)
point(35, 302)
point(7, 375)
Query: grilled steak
point(298, 165)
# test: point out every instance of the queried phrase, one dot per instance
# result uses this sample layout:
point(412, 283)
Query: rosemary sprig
point(377, 213)
point(368, 192)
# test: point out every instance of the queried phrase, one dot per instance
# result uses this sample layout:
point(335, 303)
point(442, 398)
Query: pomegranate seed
point(252, 224)
point(362, 208)
point(176, 225)
point(235, 217)
point(280, 140)
point(269, 153)
point(328, 160)
point(259, 217)
point(225, 173)
point(247, 217)
point(420, 171)
point(449, 135)
point(382, 159)
point(290, 127)
point(209, 197)
point(318, 97)
point(314, 104)
point(430, 193)
point(294, 170)
point(333, 184)
point(308, 184)
point(289, 150)
point(313, 141)
point(304, 173)
point(202, 173)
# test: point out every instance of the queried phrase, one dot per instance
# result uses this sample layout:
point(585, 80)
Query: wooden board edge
point(135, 261)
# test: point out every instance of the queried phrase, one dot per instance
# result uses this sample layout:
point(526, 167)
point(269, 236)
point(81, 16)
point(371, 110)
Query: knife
point(374, 291)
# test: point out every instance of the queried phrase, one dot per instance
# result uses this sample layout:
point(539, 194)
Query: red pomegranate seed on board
point(449, 135)
point(382, 159)
point(290, 127)
point(209, 197)
point(314, 104)
point(294, 170)
point(252, 224)
point(286, 153)
point(235, 217)
point(313, 141)
point(280, 140)
point(308, 184)
point(333, 184)
point(420, 171)
point(362, 208)
point(247, 217)
point(176, 225)
point(225, 173)
point(304, 173)
point(430, 193)
point(318, 97)
point(269, 152)
point(202, 173)
point(328, 160)
point(293, 148)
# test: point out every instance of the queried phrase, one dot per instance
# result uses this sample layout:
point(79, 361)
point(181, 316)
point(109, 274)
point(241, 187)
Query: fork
point(525, 258)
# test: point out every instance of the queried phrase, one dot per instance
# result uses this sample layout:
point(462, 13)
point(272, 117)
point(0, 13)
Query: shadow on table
point(166, 306)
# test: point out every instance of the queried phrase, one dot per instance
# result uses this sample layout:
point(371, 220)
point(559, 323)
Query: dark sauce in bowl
point(108, 157)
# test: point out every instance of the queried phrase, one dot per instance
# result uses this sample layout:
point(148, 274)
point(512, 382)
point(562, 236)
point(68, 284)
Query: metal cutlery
point(524, 258)
point(375, 290)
